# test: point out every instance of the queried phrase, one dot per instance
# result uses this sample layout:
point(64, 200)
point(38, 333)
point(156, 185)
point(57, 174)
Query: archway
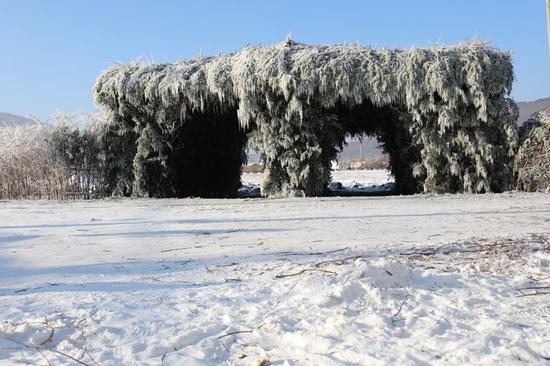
point(201, 157)
point(442, 113)
point(389, 125)
point(304, 168)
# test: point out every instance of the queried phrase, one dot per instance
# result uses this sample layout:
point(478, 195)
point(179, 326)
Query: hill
point(12, 120)
point(526, 109)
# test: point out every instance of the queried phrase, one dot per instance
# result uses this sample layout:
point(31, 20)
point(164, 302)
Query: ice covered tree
point(532, 162)
point(441, 113)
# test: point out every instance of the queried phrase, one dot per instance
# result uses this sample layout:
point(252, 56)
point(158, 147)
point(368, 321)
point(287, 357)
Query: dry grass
point(253, 168)
point(44, 162)
point(27, 169)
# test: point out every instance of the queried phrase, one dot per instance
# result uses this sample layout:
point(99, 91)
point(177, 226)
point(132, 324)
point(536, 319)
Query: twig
point(48, 284)
point(394, 316)
point(44, 356)
point(227, 265)
point(173, 250)
point(49, 339)
point(338, 262)
point(240, 331)
point(161, 281)
point(174, 349)
point(224, 346)
point(534, 290)
point(236, 332)
point(66, 355)
point(303, 271)
point(40, 348)
point(315, 253)
point(83, 351)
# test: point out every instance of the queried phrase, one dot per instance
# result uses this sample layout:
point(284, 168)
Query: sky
point(51, 52)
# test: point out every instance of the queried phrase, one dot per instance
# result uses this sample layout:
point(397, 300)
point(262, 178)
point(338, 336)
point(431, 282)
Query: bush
point(27, 168)
point(97, 157)
point(65, 161)
point(77, 152)
point(532, 162)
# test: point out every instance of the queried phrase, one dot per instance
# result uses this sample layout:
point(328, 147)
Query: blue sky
point(52, 51)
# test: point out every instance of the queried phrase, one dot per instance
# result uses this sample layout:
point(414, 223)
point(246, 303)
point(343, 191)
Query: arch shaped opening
point(361, 168)
point(389, 126)
point(303, 167)
point(200, 157)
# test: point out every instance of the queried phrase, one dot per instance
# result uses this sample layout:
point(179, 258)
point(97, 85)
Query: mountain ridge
point(13, 120)
point(526, 109)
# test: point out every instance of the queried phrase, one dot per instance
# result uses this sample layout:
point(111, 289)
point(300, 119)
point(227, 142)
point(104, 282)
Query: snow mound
point(384, 273)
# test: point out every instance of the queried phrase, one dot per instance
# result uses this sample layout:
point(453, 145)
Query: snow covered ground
point(348, 178)
point(343, 182)
point(427, 279)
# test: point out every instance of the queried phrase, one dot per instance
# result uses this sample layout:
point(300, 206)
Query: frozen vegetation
point(532, 162)
point(443, 114)
point(424, 279)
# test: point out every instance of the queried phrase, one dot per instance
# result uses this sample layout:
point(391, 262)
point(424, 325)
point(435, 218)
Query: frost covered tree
point(532, 162)
point(442, 114)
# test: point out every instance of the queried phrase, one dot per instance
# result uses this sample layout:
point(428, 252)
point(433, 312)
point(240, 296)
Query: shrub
point(532, 162)
point(98, 157)
point(77, 152)
point(27, 168)
point(66, 160)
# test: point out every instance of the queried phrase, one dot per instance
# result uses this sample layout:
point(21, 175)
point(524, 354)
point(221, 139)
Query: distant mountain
point(526, 109)
point(12, 120)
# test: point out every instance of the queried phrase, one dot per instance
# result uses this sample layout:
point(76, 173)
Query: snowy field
point(414, 280)
point(348, 178)
point(343, 182)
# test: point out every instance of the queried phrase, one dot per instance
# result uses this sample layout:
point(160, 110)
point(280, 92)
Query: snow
point(348, 178)
point(426, 279)
point(361, 181)
point(344, 182)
